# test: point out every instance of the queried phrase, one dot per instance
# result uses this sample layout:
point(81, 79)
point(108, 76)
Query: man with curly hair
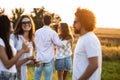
point(88, 55)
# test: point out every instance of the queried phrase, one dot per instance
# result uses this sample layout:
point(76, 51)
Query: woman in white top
point(8, 56)
point(24, 30)
point(63, 62)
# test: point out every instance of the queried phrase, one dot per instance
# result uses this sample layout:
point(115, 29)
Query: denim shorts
point(64, 64)
point(4, 75)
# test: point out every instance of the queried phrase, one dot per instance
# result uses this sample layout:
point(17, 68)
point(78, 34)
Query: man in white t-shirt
point(87, 56)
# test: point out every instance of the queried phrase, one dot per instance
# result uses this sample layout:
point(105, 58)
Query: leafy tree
point(17, 12)
point(37, 15)
point(55, 20)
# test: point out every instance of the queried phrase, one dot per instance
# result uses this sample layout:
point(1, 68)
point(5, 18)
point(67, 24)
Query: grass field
point(110, 71)
point(110, 31)
point(54, 77)
point(110, 65)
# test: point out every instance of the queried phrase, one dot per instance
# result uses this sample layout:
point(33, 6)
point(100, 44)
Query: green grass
point(54, 76)
point(110, 71)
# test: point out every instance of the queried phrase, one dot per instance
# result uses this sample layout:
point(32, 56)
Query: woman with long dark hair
point(8, 55)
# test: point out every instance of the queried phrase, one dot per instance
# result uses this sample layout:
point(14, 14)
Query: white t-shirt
point(87, 46)
point(62, 52)
point(18, 45)
point(2, 67)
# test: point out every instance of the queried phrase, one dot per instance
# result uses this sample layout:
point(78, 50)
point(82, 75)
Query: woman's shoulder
point(2, 42)
point(13, 36)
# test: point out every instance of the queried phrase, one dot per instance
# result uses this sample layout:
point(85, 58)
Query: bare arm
point(93, 65)
point(8, 63)
point(20, 62)
point(32, 60)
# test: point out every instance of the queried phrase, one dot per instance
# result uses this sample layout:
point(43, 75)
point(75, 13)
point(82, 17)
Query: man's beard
point(76, 31)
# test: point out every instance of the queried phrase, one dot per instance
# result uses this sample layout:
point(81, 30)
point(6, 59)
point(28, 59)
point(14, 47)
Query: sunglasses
point(26, 22)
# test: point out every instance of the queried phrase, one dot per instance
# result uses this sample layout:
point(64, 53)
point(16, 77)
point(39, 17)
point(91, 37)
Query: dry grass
point(111, 53)
point(107, 32)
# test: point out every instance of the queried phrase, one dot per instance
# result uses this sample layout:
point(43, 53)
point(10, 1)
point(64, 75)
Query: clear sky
point(107, 12)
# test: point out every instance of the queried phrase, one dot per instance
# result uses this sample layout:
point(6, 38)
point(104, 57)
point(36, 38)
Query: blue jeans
point(4, 75)
point(48, 69)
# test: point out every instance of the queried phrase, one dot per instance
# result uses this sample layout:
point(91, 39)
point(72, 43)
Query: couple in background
point(47, 39)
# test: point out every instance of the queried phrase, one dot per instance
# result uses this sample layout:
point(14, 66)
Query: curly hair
point(86, 18)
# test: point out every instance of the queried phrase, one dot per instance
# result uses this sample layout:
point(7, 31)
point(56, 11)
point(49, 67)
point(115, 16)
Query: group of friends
point(45, 47)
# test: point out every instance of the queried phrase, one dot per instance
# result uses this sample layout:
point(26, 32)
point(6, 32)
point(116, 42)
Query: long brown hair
point(65, 33)
point(19, 30)
point(5, 34)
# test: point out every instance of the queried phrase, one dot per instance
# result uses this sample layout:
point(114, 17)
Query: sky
point(107, 12)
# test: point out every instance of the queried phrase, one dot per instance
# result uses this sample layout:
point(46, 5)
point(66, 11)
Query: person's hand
point(25, 47)
point(31, 63)
point(31, 58)
point(37, 63)
point(69, 41)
